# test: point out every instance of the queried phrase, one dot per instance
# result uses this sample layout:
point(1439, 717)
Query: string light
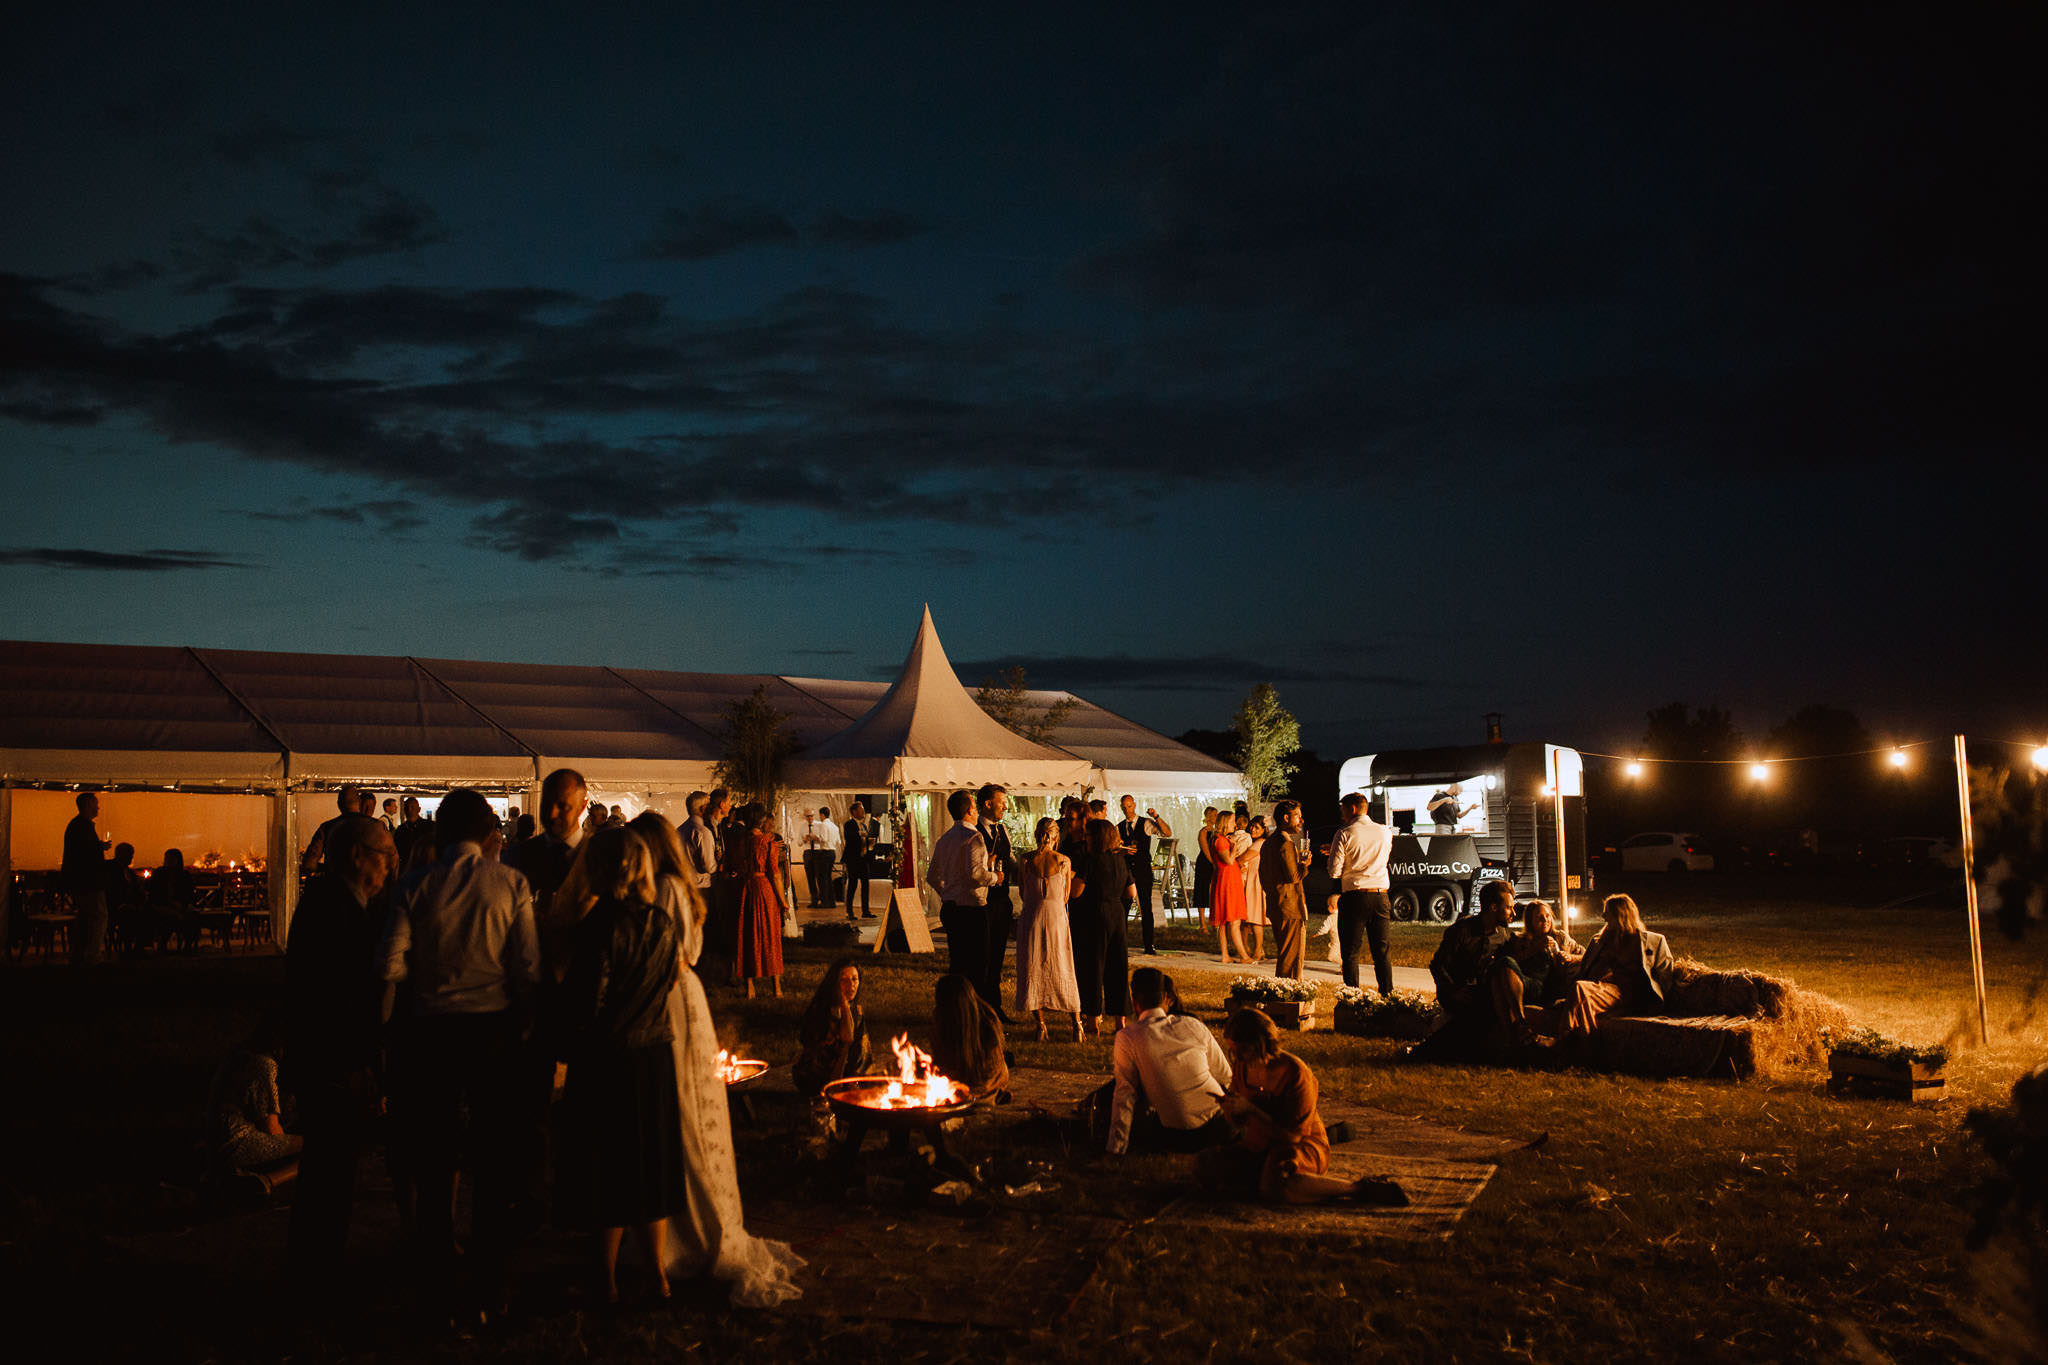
point(1635, 767)
point(2041, 759)
point(1898, 758)
point(1759, 771)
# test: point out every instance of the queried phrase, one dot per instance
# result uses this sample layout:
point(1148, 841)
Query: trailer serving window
point(1409, 805)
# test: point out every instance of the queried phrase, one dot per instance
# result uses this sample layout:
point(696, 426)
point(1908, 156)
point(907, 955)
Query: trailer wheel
point(1405, 907)
point(1442, 905)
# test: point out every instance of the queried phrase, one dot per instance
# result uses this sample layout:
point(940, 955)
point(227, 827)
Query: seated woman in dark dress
point(1626, 970)
point(170, 897)
point(622, 1150)
point(834, 1033)
point(1282, 1151)
point(1533, 969)
point(967, 1039)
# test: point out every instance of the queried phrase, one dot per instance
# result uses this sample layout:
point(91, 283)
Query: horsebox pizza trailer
point(1508, 806)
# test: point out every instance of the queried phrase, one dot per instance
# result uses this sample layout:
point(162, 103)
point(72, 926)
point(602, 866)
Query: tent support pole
point(1970, 887)
point(284, 885)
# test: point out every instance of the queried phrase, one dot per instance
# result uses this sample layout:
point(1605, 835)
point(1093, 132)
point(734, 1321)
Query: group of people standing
point(433, 1011)
point(1065, 904)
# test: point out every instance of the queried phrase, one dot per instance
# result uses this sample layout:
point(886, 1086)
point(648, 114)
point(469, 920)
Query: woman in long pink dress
point(1248, 843)
point(1226, 891)
point(761, 906)
point(1045, 940)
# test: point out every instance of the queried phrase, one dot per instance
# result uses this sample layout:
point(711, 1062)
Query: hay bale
point(1714, 1023)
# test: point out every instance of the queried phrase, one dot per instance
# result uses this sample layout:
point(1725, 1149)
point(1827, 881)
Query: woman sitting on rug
point(967, 1039)
point(1626, 970)
point(1282, 1152)
point(834, 1033)
point(1533, 969)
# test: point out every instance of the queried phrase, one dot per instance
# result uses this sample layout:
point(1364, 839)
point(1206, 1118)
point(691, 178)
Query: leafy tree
point(1007, 704)
point(1678, 731)
point(1267, 734)
point(757, 740)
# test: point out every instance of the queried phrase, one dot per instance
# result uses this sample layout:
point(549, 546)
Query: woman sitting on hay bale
point(1533, 969)
point(1626, 970)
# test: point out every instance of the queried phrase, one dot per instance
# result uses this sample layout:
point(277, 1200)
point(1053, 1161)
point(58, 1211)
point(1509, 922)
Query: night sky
point(1561, 360)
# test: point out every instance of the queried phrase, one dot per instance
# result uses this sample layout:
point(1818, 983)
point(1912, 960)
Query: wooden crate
point(1897, 1080)
point(1290, 1014)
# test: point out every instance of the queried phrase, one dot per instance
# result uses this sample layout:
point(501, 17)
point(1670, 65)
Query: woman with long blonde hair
point(1226, 888)
point(1045, 937)
point(1626, 969)
point(709, 1235)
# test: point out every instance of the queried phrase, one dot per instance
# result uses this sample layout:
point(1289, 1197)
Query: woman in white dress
point(1247, 843)
point(1045, 943)
point(711, 1238)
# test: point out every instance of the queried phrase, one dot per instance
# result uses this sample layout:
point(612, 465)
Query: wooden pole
point(1970, 886)
point(1557, 812)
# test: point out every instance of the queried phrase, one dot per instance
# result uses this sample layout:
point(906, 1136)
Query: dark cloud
point(390, 223)
point(105, 561)
point(703, 231)
point(1166, 672)
point(853, 230)
point(53, 414)
point(707, 230)
point(393, 516)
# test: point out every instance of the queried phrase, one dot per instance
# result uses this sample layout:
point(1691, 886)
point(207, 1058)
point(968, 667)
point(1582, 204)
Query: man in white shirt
point(961, 873)
point(462, 936)
point(1174, 1063)
point(1358, 865)
point(821, 851)
point(700, 835)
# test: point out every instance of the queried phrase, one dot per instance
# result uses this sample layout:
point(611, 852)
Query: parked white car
point(1665, 852)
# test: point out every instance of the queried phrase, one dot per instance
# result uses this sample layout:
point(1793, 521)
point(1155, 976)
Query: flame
point(918, 1083)
point(731, 1068)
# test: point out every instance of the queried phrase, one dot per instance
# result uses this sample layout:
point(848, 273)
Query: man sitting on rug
point(1173, 1064)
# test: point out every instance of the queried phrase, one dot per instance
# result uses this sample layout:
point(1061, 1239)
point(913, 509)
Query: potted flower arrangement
point(1404, 1014)
point(1287, 1002)
point(1865, 1060)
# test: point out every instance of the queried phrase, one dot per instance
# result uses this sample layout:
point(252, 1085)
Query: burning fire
point(731, 1068)
point(918, 1084)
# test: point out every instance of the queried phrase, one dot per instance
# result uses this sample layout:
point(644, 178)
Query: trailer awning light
point(1546, 789)
point(1489, 781)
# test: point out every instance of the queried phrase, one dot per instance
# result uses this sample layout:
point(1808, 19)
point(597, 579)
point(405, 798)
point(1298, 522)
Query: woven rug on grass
point(986, 1267)
point(1376, 1130)
point(1438, 1193)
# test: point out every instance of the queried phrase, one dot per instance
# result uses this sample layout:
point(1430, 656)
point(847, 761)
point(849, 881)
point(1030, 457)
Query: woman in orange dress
point(1282, 1152)
point(761, 905)
point(1226, 889)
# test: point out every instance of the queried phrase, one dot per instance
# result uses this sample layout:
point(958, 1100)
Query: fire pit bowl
point(744, 1073)
point(864, 1100)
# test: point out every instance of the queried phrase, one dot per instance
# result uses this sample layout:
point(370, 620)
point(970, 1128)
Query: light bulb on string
point(2041, 759)
point(1635, 768)
point(1759, 771)
point(1898, 758)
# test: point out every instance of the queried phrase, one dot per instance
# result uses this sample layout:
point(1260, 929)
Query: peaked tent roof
point(926, 732)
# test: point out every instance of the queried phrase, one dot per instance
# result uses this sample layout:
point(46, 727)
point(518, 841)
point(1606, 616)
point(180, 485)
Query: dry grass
point(1714, 1220)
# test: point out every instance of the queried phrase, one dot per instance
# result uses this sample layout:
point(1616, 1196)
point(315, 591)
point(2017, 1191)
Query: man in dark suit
point(1135, 832)
point(545, 860)
point(1002, 913)
point(856, 846)
point(333, 1003)
point(84, 876)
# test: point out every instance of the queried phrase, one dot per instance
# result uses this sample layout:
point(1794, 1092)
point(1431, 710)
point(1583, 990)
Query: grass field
point(1710, 1220)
